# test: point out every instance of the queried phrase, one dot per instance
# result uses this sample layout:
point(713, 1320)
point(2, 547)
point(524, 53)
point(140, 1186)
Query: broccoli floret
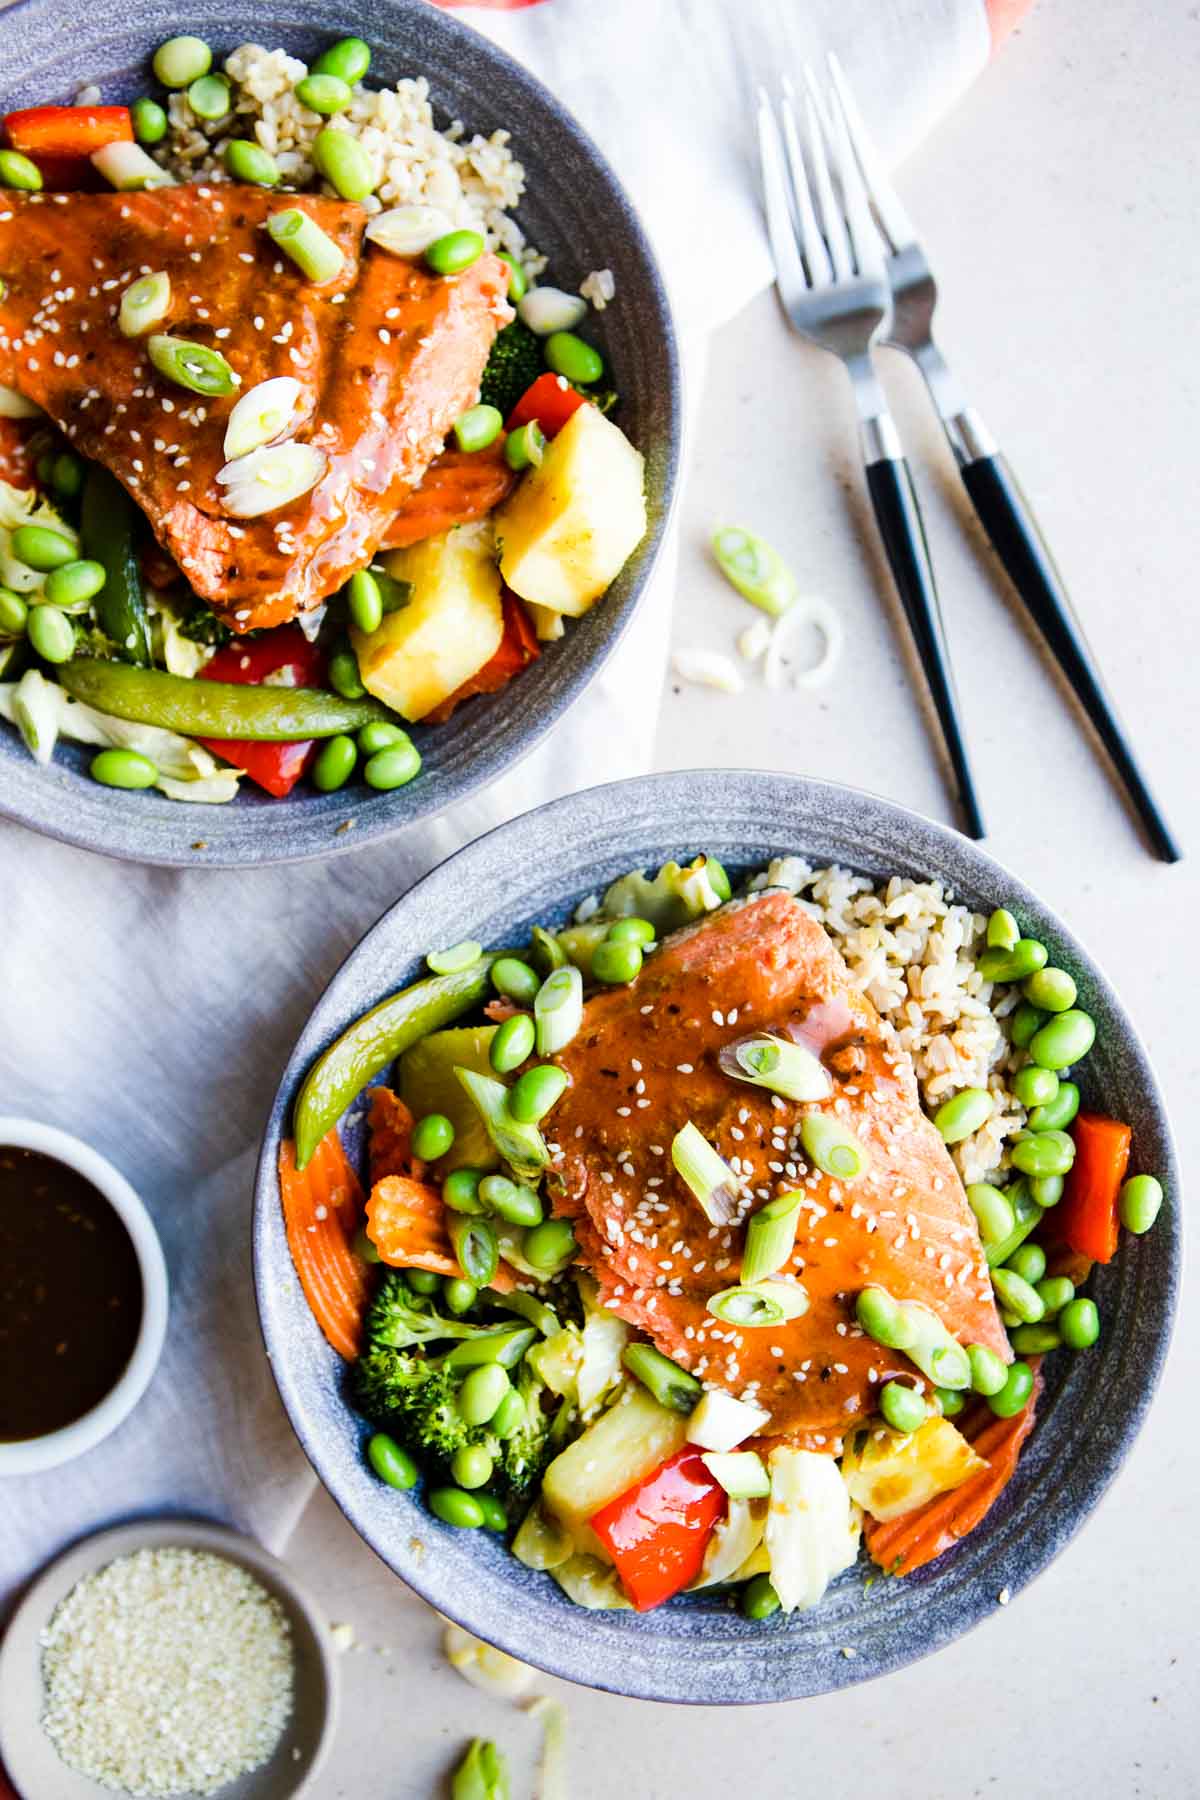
point(201, 626)
point(399, 1318)
point(522, 1458)
point(515, 363)
point(414, 1397)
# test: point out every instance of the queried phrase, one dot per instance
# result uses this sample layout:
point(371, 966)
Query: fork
point(993, 491)
point(833, 286)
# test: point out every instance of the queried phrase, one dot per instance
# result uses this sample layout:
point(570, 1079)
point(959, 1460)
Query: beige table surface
point(1061, 204)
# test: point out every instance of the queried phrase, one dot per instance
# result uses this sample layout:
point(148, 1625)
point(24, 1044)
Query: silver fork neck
point(880, 440)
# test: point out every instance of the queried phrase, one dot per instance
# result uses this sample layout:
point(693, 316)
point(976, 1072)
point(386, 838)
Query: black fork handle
point(900, 525)
point(1006, 517)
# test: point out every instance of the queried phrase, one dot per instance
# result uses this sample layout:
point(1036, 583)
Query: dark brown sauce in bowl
point(70, 1295)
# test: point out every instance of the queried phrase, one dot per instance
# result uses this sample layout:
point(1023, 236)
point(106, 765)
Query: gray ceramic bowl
point(537, 868)
point(575, 209)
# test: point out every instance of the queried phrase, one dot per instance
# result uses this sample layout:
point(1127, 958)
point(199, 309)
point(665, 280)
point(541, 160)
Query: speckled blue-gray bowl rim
point(576, 210)
point(700, 1650)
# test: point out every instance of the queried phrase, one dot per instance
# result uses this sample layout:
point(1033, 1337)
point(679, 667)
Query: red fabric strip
point(1004, 16)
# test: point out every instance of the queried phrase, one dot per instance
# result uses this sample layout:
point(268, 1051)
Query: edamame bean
point(1058, 1113)
point(432, 1137)
point(1053, 990)
point(1034, 1086)
point(66, 475)
point(883, 1319)
point(1027, 1021)
point(364, 601)
point(149, 121)
point(494, 1516)
point(1079, 1323)
point(348, 59)
point(963, 1114)
point(40, 548)
point(993, 1212)
point(535, 1092)
point(515, 1204)
point(344, 677)
point(362, 1246)
point(989, 1372)
point(832, 1147)
point(1066, 1039)
point(1029, 1262)
point(1025, 956)
point(453, 1507)
point(456, 251)
point(1056, 1291)
point(21, 172)
point(392, 1463)
point(378, 735)
point(13, 614)
point(902, 1407)
point(123, 769)
point(326, 94)
point(52, 634)
point(472, 1467)
point(1017, 1296)
point(459, 1295)
point(1046, 1190)
point(480, 1395)
point(512, 1043)
point(1044, 1153)
point(394, 767)
point(509, 1416)
point(1035, 1340)
point(615, 964)
point(631, 931)
point(573, 359)
point(181, 60)
point(518, 281)
point(249, 162)
point(422, 1281)
point(460, 1191)
point(1140, 1203)
point(334, 763)
point(759, 1599)
point(478, 427)
point(1012, 1397)
point(516, 980)
point(1003, 932)
point(550, 1244)
point(344, 163)
point(209, 97)
point(950, 1401)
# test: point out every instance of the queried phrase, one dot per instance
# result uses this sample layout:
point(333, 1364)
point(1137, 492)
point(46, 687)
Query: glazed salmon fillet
point(645, 1063)
point(388, 356)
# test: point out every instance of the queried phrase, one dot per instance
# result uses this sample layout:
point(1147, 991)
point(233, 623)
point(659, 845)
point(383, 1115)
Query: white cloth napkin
point(151, 1012)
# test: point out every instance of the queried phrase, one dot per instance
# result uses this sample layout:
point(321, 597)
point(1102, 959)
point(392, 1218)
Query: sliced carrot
point(391, 1129)
point(322, 1210)
point(518, 647)
point(500, 1008)
point(1086, 1218)
point(406, 1222)
point(914, 1539)
point(457, 487)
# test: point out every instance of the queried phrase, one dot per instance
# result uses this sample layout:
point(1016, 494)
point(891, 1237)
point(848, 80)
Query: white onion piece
point(547, 309)
point(270, 478)
point(708, 668)
point(755, 640)
point(812, 611)
point(408, 230)
point(269, 411)
point(16, 406)
point(127, 167)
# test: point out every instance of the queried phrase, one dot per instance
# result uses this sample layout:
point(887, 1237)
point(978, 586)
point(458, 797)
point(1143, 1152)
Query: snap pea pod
point(377, 1039)
point(215, 709)
point(108, 528)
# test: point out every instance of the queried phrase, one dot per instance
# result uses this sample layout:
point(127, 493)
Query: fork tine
point(897, 227)
point(820, 268)
point(789, 270)
point(832, 224)
point(868, 245)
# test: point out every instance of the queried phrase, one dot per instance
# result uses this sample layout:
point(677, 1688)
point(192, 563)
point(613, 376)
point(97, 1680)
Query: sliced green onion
point(459, 956)
point(19, 171)
point(776, 1063)
point(407, 230)
point(545, 950)
point(525, 447)
point(475, 1246)
point(522, 1146)
point(832, 1147)
point(264, 413)
point(145, 304)
point(766, 1303)
point(312, 250)
point(758, 572)
point(709, 1176)
point(911, 1326)
point(16, 406)
point(478, 427)
point(770, 1237)
point(742, 1473)
point(558, 1010)
point(127, 167)
point(270, 478)
point(192, 366)
point(670, 1385)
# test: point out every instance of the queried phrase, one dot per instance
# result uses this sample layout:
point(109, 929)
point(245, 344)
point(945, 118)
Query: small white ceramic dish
point(29, 1456)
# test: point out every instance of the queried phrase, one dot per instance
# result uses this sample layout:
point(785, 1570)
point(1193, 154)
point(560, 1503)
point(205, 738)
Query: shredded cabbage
point(675, 897)
point(812, 1526)
point(604, 1339)
point(25, 506)
point(485, 1667)
point(734, 1540)
point(553, 1714)
point(589, 1582)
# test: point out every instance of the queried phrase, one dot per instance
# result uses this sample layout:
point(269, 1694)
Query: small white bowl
point(30, 1455)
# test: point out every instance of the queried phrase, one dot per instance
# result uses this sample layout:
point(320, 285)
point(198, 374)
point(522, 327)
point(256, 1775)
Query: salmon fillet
point(388, 356)
point(645, 1063)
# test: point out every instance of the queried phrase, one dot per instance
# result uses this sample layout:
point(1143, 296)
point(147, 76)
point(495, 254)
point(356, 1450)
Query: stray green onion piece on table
point(758, 572)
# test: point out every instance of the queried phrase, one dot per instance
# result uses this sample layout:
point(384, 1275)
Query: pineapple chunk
point(450, 628)
point(623, 1446)
point(890, 1475)
point(572, 524)
point(428, 1084)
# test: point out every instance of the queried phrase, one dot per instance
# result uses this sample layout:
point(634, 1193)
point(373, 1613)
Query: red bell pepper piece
point(658, 1530)
point(275, 767)
point(518, 647)
point(1086, 1217)
point(551, 400)
point(61, 139)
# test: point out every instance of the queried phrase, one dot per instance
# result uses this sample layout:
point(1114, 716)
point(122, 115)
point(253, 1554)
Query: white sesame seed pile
point(168, 1672)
